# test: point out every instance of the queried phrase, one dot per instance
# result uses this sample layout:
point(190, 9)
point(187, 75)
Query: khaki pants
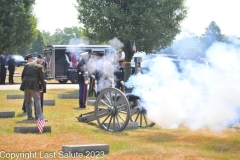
point(28, 94)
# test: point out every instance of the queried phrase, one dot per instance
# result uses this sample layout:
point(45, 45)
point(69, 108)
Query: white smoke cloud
point(201, 96)
point(116, 43)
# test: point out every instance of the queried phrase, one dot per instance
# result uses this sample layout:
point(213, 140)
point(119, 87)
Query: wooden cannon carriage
point(114, 109)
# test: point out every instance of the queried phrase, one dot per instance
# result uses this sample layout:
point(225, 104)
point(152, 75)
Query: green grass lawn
point(142, 143)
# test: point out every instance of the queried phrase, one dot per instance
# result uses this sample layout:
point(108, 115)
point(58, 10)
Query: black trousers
point(3, 76)
point(10, 78)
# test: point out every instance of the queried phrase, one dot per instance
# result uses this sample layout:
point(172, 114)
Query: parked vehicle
point(61, 60)
point(19, 60)
point(148, 60)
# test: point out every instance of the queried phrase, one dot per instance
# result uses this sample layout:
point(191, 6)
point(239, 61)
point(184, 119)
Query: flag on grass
point(134, 47)
point(40, 124)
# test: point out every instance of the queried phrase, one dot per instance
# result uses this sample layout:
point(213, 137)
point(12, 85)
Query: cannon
point(114, 109)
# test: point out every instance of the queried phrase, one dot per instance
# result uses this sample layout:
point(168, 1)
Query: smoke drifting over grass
point(201, 96)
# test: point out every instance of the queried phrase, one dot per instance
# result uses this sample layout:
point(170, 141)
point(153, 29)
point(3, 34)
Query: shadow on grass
point(81, 109)
point(27, 122)
point(100, 130)
point(21, 114)
point(72, 92)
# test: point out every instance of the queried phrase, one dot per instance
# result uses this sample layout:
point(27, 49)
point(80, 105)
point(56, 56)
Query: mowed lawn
point(142, 143)
point(152, 143)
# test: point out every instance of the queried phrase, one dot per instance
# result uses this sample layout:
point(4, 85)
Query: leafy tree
point(48, 38)
point(38, 44)
point(62, 36)
point(151, 24)
point(212, 34)
point(189, 47)
point(17, 24)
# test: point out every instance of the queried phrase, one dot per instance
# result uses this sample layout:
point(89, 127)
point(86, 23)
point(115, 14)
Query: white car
point(19, 60)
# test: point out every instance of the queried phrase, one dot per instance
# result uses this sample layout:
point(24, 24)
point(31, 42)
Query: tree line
point(191, 46)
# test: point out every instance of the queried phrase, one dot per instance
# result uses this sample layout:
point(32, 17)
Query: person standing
point(83, 79)
point(120, 75)
point(40, 60)
point(32, 76)
point(99, 76)
point(105, 72)
point(3, 68)
point(91, 72)
point(0, 71)
point(117, 58)
point(11, 68)
point(29, 59)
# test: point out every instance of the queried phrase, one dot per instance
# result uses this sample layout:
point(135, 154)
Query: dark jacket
point(120, 73)
point(3, 63)
point(11, 63)
point(81, 71)
point(31, 76)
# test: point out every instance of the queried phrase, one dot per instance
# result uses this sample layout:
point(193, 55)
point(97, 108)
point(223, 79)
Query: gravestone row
point(20, 96)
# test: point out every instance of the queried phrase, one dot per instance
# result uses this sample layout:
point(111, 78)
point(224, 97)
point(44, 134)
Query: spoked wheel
point(112, 110)
point(140, 115)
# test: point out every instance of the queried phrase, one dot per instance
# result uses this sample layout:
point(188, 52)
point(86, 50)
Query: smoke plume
point(116, 43)
point(201, 96)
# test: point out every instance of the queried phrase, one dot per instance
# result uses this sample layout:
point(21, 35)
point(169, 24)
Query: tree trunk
point(127, 71)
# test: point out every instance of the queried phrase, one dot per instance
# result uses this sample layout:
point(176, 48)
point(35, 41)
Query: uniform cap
point(40, 56)
point(28, 56)
point(100, 53)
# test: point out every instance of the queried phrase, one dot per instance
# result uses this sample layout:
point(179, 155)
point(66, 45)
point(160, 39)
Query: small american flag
point(40, 124)
point(134, 47)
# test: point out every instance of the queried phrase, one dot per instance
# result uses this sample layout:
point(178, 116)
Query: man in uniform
point(29, 59)
point(91, 72)
point(120, 75)
point(82, 79)
point(11, 68)
point(0, 71)
point(32, 76)
point(3, 68)
point(40, 60)
point(104, 72)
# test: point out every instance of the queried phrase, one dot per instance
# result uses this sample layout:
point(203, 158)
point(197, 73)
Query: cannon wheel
point(140, 115)
point(112, 110)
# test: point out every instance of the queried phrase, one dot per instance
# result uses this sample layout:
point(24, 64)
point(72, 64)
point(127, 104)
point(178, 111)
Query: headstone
point(91, 102)
point(15, 96)
point(131, 125)
point(7, 114)
point(19, 96)
point(68, 96)
point(49, 102)
point(31, 129)
point(88, 150)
